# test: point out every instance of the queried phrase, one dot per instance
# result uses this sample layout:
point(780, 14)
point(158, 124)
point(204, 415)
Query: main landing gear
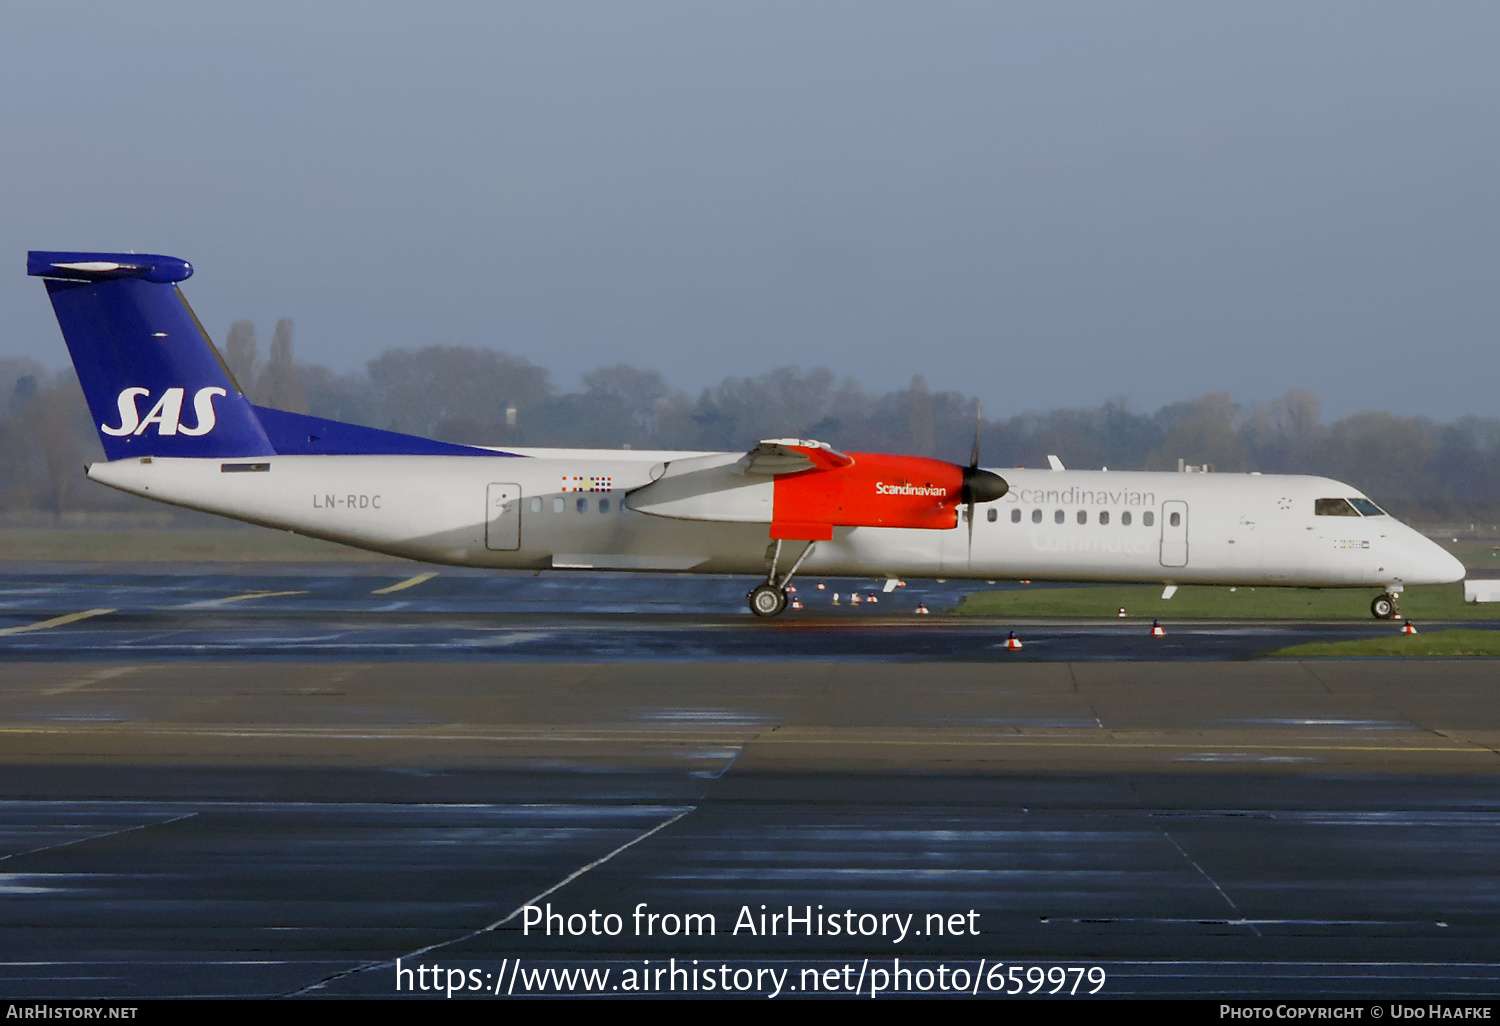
point(1384, 607)
point(769, 599)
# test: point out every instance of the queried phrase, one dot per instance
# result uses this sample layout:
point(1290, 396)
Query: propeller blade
point(978, 423)
point(973, 467)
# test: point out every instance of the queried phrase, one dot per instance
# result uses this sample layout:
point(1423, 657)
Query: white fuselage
point(560, 508)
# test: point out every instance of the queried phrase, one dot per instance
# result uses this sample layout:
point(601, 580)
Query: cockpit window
point(1333, 508)
point(1367, 507)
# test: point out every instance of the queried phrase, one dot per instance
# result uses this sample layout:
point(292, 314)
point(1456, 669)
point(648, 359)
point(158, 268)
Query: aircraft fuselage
point(544, 509)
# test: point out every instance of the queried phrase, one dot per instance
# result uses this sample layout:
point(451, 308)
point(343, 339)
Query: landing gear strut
point(1383, 607)
point(769, 599)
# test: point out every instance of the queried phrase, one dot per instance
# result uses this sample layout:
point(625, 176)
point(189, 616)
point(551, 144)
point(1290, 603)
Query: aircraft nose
point(1439, 566)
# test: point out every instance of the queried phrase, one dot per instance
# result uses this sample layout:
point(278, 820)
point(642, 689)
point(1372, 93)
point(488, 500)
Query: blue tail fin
point(154, 382)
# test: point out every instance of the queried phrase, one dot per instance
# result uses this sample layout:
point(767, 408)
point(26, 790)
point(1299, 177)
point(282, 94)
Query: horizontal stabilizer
point(163, 270)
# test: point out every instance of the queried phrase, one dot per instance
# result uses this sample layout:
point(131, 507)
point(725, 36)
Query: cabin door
point(1174, 533)
point(502, 525)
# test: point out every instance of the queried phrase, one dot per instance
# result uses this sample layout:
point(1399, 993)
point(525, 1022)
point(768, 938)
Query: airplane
point(177, 428)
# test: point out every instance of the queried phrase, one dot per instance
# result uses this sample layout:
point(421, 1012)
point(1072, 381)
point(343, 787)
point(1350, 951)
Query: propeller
point(980, 485)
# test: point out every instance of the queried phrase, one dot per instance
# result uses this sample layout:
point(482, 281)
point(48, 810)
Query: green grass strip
point(1438, 643)
point(1193, 602)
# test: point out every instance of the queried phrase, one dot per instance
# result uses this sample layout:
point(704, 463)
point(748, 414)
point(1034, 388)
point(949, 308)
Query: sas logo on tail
point(166, 414)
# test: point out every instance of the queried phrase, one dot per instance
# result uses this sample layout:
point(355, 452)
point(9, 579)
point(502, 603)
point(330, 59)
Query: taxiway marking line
point(500, 922)
point(258, 595)
point(410, 582)
point(89, 679)
point(1059, 743)
point(96, 837)
point(345, 733)
point(56, 621)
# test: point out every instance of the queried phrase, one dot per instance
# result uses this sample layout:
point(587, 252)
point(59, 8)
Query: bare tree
point(240, 353)
point(919, 418)
point(280, 385)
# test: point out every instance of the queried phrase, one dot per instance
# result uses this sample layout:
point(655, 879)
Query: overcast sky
point(1042, 204)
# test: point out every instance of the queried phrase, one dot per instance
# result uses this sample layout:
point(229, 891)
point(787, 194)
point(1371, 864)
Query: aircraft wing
point(791, 456)
point(733, 489)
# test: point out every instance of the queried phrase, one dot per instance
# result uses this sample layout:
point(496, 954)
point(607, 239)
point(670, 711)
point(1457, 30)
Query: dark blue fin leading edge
point(156, 385)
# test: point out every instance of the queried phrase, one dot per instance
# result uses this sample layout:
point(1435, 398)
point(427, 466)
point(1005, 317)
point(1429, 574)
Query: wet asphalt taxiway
point(320, 614)
point(237, 783)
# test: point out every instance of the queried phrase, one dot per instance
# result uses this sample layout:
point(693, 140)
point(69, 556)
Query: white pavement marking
point(1222, 893)
point(515, 637)
point(89, 679)
point(499, 922)
point(95, 837)
point(410, 582)
point(56, 621)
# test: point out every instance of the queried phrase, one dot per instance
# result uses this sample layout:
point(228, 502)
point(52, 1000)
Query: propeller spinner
point(980, 485)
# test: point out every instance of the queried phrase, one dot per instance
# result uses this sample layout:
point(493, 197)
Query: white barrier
point(1482, 590)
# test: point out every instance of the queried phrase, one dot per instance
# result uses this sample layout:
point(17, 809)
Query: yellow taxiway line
point(56, 621)
point(410, 582)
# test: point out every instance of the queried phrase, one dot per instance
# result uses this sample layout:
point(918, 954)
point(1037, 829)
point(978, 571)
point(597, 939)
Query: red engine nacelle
point(875, 490)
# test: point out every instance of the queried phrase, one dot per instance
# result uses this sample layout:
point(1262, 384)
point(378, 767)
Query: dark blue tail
point(157, 386)
point(154, 382)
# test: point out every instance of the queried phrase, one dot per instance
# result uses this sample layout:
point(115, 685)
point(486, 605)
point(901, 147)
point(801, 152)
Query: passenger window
point(993, 515)
point(1125, 519)
point(558, 505)
point(1367, 507)
point(1015, 516)
point(1148, 518)
point(1083, 516)
point(1036, 516)
point(1104, 517)
point(1059, 517)
point(1333, 508)
point(1176, 519)
point(583, 505)
point(603, 505)
point(536, 505)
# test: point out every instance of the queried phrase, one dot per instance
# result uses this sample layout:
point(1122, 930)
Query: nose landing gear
point(1383, 607)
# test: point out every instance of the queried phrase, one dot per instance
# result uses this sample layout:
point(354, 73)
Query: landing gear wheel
point(1383, 607)
point(767, 601)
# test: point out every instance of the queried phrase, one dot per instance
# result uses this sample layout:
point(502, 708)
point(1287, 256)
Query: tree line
point(1416, 467)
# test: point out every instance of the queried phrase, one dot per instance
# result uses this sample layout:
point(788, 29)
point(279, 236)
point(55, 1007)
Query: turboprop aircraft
point(177, 428)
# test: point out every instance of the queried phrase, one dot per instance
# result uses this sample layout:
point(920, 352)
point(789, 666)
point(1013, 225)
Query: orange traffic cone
point(796, 603)
point(1156, 631)
point(854, 599)
point(873, 598)
point(1408, 628)
point(1121, 613)
point(1012, 642)
point(821, 586)
point(921, 609)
